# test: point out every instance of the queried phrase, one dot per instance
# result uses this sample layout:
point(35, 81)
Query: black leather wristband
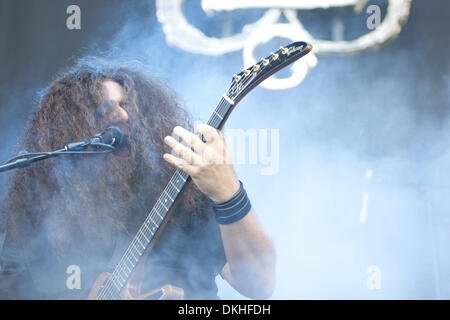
point(234, 209)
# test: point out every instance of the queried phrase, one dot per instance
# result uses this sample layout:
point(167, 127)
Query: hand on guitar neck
point(208, 163)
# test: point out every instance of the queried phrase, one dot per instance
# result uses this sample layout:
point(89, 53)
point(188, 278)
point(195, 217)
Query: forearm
point(251, 257)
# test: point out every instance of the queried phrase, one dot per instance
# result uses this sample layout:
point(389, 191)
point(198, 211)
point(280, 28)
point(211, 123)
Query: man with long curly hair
point(82, 211)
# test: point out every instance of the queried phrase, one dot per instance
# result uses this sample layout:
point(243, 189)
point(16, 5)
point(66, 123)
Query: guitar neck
point(156, 217)
point(221, 113)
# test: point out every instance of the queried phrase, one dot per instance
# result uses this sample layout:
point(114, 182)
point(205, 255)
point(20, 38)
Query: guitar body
point(126, 280)
point(129, 292)
point(132, 292)
point(132, 289)
point(98, 284)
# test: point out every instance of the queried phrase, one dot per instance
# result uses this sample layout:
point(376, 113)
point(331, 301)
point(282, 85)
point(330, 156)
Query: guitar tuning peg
point(236, 77)
point(284, 50)
point(256, 67)
point(265, 62)
point(274, 56)
point(246, 72)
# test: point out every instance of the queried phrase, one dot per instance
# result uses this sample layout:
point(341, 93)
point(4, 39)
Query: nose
point(117, 114)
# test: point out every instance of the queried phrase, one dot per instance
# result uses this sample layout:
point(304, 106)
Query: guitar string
point(119, 268)
point(129, 252)
point(170, 191)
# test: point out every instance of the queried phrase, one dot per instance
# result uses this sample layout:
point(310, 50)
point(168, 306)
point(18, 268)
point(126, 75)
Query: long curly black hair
point(71, 199)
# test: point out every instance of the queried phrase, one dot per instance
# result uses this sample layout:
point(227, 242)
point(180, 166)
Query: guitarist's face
point(111, 108)
point(113, 113)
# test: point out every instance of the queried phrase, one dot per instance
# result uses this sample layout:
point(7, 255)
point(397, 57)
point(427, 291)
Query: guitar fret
point(129, 260)
point(150, 220)
point(221, 118)
point(136, 248)
point(132, 255)
point(228, 99)
point(145, 237)
point(118, 281)
point(159, 214)
point(118, 287)
point(126, 268)
point(121, 277)
point(180, 175)
point(139, 235)
point(123, 271)
point(176, 187)
point(153, 227)
point(128, 255)
point(139, 241)
point(163, 205)
point(169, 196)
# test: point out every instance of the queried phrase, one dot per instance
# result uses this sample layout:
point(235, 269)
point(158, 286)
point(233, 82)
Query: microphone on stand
point(111, 139)
point(112, 136)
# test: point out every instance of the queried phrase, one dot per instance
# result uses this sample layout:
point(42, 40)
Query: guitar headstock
point(248, 78)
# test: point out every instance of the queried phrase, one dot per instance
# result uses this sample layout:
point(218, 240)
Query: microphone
point(111, 136)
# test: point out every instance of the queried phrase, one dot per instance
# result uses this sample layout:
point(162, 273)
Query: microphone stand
point(76, 148)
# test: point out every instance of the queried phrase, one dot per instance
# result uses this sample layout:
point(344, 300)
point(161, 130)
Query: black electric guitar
point(111, 285)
